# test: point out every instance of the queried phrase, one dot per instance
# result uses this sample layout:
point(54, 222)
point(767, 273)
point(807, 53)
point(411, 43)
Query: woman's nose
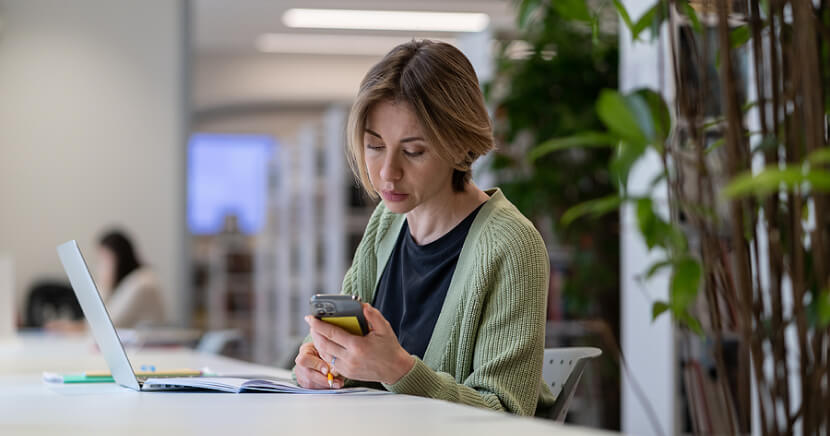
point(390, 171)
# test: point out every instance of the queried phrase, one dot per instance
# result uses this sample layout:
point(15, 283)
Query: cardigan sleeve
point(508, 350)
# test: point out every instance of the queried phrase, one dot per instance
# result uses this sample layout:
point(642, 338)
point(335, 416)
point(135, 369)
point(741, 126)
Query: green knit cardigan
point(486, 348)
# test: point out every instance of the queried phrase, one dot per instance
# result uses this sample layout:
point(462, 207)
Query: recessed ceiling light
point(386, 20)
point(331, 44)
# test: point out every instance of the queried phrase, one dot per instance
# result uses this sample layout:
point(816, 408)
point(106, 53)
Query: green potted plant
point(547, 78)
point(747, 184)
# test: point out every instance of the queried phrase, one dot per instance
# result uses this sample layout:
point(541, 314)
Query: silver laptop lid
point(96, 314)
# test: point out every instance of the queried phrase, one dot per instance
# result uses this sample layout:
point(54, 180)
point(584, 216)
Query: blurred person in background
point(457, 277)
point(130, 288)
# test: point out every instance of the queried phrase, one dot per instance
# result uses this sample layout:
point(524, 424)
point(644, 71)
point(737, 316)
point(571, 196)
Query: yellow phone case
point(348, 323)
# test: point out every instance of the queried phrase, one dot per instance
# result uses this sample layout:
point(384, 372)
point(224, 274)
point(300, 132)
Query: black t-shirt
point(414, 283)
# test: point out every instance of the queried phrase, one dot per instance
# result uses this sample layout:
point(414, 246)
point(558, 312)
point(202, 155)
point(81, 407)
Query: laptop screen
point(96, 314)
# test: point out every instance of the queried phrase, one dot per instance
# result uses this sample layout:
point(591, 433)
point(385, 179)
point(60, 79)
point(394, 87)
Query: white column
point(92, 125)
point(648, 346)
point(7, 304)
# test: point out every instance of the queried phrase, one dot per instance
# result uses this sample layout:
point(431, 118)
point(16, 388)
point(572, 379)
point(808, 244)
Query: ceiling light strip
point(386, 20)
point(360, 45)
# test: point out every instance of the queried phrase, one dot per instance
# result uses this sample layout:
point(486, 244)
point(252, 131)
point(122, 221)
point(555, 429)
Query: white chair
point(561, 371)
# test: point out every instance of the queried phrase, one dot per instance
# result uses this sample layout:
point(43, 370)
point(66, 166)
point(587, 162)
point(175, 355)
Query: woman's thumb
point(373, 316)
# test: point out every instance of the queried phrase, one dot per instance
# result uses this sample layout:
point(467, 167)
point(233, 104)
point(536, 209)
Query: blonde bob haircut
point(441, 88)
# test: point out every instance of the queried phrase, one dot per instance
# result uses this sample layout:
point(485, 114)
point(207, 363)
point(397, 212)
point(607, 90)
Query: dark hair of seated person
point(126, 260)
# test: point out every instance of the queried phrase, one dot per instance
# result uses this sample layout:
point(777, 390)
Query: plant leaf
point(651, 19)
point(572, 9)
point(749, 105)
point(641, 112)
point(739, 36)
point(660, 118)
point(714, 146)
point(624, 158)
point(595, 208)
point(643, 23)
point(584, 139)
point(525, 12)
point(819, 180)
point(685, 282)
point(690, 12)
point(767, 142)
point(658, 232)
point(690, 321)
point(772, 179)
point(648, 222)
point(658, 308)
point(617, 115)
point(657, 266)
point(623, 14)
point(657, 179)
point(763, 183)
point(823, 305)
point(819, 156)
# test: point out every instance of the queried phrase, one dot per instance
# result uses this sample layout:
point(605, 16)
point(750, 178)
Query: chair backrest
point(51, 300)
point(561, 371)
point(215, 341)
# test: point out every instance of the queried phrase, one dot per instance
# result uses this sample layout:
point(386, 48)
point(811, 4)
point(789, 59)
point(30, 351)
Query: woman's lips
point(393, 196)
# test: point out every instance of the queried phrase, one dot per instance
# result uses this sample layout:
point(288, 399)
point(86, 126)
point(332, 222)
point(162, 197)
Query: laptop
point(100, 322)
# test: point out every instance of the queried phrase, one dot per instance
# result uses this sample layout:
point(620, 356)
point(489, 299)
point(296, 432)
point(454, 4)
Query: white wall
point(92, 131)
point(225, 79)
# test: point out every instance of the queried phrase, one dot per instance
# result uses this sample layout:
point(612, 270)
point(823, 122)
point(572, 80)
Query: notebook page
point(240, 384)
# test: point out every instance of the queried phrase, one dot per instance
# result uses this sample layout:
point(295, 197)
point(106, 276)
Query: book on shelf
point(709, 410)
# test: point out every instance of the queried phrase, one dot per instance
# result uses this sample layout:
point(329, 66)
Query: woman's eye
point(413, 153)
point(374, 147)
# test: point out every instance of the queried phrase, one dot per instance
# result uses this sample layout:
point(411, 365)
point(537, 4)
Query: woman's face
point(403, 168)
point(105, 268)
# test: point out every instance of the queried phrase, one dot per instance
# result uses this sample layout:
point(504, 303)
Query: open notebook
point(237, 384)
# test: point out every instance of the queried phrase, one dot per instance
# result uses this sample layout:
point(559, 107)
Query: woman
point(134, 294)
point(457, 276)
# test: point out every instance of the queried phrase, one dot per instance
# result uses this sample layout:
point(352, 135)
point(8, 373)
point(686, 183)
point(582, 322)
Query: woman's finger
point(332, 332)
point(310, 361)
point(314, 380)
point(325, 346)
point(375, 318)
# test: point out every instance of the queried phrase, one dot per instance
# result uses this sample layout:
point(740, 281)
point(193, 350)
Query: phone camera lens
point(320, 312)
point(318, 305)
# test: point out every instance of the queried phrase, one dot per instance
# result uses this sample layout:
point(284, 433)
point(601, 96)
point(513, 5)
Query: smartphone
point(344, 311)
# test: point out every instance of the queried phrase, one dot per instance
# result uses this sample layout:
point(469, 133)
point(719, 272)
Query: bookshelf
point(260, 284)
point(316, 226)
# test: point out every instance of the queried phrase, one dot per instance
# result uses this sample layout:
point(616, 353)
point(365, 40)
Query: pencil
point(331, 380)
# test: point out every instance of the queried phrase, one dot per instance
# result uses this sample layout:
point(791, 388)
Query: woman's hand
point(312, 371)
point(376, 357)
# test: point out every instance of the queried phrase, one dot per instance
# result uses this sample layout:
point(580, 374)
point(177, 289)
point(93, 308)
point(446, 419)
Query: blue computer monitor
point(227, 174)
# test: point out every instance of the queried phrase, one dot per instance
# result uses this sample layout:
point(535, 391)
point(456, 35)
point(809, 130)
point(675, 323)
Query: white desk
point(28, 406)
